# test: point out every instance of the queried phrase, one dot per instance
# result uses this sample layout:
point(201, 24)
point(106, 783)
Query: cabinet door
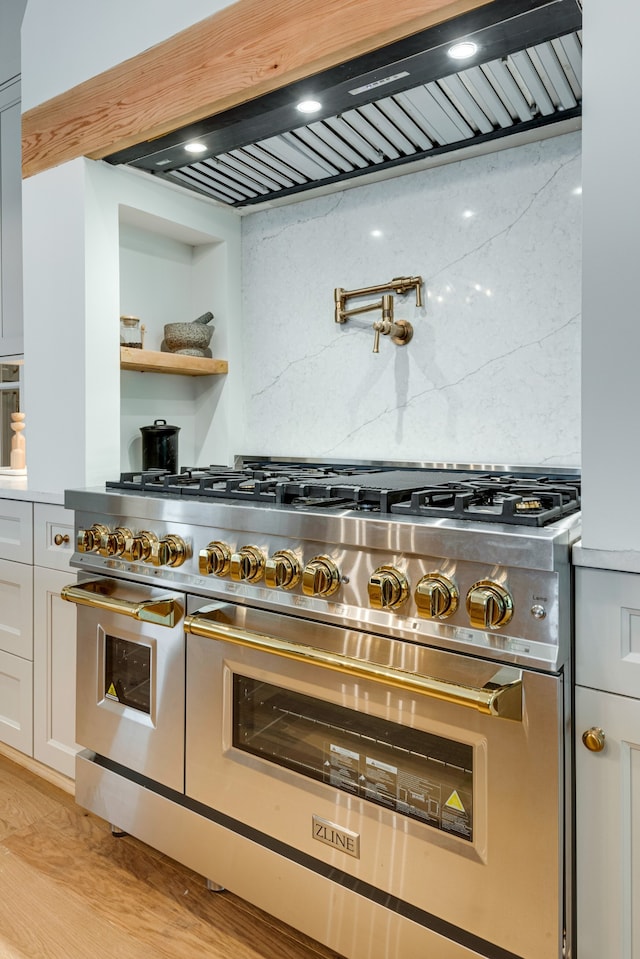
point(16, 698)
point(16, 600)
point(54, 672)
point(607, 834)
point(11, 342)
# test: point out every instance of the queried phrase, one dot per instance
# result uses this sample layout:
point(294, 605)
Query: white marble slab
point(493, 371)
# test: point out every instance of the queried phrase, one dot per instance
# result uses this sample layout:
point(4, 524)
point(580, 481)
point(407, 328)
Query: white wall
point(492, 374)
point(66, 42)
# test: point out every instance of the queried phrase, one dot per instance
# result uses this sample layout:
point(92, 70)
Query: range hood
point(403, 103)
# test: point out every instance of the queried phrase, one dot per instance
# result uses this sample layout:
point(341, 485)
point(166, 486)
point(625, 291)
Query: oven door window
point(127, 673)
point(417, 774)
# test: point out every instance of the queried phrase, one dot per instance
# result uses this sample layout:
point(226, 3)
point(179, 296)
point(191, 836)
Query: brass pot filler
point(400, 331)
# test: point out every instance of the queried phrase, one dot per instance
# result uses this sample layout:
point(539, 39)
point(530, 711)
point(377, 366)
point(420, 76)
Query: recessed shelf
point(149, 361)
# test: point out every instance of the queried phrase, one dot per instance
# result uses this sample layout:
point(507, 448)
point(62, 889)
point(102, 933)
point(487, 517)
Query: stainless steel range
point(340, 691)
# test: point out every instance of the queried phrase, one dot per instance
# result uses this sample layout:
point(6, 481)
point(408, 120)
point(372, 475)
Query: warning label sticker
point(342, 768)
point(111, 693)
point(455, 817)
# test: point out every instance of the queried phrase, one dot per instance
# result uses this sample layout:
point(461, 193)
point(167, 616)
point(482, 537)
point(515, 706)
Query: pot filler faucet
point(400, 331)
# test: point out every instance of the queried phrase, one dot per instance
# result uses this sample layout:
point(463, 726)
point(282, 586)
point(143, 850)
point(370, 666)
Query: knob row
point(282, 570)
point(143, 547)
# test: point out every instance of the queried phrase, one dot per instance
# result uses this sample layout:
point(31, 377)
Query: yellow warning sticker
point(112, 691)
point(454, 801)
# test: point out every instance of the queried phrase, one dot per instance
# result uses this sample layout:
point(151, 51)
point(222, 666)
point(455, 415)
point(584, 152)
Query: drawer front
point(16, 703)
point(52, 536)
point(16, 531)
point(608, 630)
point(16, 609)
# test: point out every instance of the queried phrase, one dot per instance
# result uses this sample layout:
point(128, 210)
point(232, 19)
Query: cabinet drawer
point(608, 630)
point(16, 703)
point(16, 609)
point(52, 536)
point(16, 531)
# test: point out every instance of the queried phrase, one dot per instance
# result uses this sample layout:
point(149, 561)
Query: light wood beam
point(239, 53)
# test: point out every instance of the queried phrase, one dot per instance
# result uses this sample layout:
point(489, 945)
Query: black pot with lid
point(160, 446)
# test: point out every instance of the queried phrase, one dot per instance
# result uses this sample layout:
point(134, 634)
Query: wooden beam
point(239, 53)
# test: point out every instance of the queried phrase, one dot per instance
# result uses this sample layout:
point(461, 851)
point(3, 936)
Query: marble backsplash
point(492, 374)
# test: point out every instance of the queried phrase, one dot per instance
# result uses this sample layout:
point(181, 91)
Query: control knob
point(282, 570)
point(247, 565)
point(88, 540)
point(138, 548)
point(114, 543)
point(388, 588)
point(436, 596)
point(320, 577)
point(489, 605)
point(215, 559)
point(171, 550)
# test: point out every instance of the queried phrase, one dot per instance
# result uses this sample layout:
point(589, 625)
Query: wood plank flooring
point(69, 890)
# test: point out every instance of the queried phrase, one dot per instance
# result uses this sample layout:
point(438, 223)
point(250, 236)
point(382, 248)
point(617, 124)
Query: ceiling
point(386, 110)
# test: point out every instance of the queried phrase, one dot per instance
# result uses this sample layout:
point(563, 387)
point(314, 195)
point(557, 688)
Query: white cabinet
point(16, 625)
point(608, 780)
point(11, 342)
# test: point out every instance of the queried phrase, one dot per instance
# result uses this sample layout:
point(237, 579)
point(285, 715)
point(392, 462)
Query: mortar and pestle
point(191, 339)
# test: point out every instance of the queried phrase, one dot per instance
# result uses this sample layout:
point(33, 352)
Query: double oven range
point(341, 691)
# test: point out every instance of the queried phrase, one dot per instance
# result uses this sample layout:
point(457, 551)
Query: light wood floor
point(69, 890)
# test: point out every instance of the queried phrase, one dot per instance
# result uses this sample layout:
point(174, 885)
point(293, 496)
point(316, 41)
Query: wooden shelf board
point(148, 361)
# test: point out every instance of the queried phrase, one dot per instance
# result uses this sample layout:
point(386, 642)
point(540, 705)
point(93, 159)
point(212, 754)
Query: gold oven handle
point(97, 594)
point(494, 699)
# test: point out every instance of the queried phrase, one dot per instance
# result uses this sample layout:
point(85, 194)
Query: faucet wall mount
point(400, 331)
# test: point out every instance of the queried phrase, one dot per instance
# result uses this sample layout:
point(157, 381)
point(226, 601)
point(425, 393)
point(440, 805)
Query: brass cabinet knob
point(113, 543)
point(320, 577)
point(594, 739)
point(247, 565)
point(215, 559)
point(138, 548)
point(489, 605)
point(282, 570)
point(59, 539)
point(388, 588)
point(171, 550)
point(436, 596)
point(88, 540)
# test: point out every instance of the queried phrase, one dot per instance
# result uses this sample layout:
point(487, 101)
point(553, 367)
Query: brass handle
point(494, 699)
point(594, 739)
point(97, 594)
point(59, 539)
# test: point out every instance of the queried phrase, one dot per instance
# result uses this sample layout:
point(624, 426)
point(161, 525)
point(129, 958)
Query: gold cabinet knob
point(215, 559)
point(388, 588)
point(88, 540)
point(247, 565)
point(138, 548)
point(282, 570)
point(594, 739)
point(171, 550)
point(59, 539)
point(113, 543)
point(489, 605)
point(436, 596)
point(320, 577)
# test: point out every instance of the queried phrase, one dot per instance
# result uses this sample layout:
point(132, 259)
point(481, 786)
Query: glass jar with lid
point(131, 332)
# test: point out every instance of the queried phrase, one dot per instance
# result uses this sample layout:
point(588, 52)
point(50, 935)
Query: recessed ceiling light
point(195, 147)
point(463, 50)
point(309, 106)
point(376, 233)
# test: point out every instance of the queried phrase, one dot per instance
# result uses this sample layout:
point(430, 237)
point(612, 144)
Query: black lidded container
point(160, 446)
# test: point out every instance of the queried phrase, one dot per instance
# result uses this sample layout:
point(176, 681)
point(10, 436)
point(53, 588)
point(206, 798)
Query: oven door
point(130, 676)
point(429, 781)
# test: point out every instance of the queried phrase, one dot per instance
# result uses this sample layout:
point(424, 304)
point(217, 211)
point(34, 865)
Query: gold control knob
point(171, 550)
point(388, 588)
point(594, 739)
point(282, 570)
point(320, 577)
point(114, 543)
point(215, 559)
point(489, 605)
point(88, 540)
point(436, 596)
point(138, 548)
point(247, 565)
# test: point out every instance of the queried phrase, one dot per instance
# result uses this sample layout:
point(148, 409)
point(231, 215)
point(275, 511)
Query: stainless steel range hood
point(388, 109)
